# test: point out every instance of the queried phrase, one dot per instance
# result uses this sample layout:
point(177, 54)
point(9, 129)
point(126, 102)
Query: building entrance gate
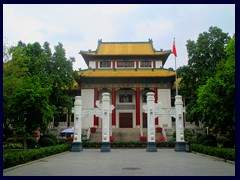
point(104, 110)
point(154, 110)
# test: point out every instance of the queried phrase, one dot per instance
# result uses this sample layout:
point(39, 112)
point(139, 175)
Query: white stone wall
point(158, 64)
point(164, 96)
point(88, 102)
point(92, 64)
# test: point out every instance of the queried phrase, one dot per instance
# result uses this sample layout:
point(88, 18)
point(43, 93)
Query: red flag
point(174, 49)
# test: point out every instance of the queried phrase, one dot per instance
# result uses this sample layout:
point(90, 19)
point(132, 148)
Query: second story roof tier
point(111, 73)
point(125, 49)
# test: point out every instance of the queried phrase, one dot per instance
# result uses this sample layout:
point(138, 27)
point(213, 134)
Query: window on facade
point(105, 64)
point(125, 98)
point(145, 64)
point(125, 64)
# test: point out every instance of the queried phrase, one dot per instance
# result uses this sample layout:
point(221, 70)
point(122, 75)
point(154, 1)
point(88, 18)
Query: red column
point(137, 106)
point(156, 99)
point(96, 65)
point(113, 64)
point(154, 64)
point(96, 97)
point(114, 104)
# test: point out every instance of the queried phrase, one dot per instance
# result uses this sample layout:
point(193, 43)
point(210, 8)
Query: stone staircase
point(126, 134)
point(97, 136)
point(121, 135)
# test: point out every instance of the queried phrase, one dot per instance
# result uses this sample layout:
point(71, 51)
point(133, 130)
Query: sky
point(80, 26)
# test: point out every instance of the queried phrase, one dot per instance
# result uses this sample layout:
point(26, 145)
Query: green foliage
point(225, 153)
point(11, 159)
point(36, 83)
point(174, 135)
point(7, 132)
point(51, 136)
point(188, 135)
point(31, 142)
point(11, 140)
point(204, 55)
point(13, 146)
point(206, 139)
point(208, 81)
point(216, 99)
point(48, 140)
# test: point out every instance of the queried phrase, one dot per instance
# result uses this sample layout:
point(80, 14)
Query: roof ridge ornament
point(99, 41)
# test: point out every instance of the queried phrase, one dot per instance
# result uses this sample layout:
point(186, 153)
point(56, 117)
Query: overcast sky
point(79, 26)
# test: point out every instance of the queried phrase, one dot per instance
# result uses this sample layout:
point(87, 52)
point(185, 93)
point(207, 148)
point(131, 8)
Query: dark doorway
point(125, 120)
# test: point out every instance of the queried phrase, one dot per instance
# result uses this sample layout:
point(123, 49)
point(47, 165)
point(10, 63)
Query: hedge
point(224, 153)
point(11, 159)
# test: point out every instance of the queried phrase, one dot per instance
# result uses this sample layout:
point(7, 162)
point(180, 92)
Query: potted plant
point(93, 129)
point(161, 139)
point(143, 138)
point(158, 129)
point(111, 138)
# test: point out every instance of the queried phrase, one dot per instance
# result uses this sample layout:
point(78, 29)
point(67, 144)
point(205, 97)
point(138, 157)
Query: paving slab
point(125, 162)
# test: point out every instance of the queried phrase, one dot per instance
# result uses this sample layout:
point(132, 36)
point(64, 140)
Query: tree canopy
point(35, 83)
point(204, 55)
point(216, 99)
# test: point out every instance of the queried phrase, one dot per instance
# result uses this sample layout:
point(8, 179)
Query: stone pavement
point(125, 162)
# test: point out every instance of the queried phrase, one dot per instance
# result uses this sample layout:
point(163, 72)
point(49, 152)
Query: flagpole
point(175, 70)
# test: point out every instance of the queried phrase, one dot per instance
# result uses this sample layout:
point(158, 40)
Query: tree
point(216, 99)
point(32, 79)
point(30, 106)
point(204, 55)
point(62, 79)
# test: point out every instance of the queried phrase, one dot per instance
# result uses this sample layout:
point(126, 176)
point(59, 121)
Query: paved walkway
point(125, 162)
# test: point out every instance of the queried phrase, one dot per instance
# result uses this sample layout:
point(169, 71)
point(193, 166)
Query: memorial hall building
point(126, 70)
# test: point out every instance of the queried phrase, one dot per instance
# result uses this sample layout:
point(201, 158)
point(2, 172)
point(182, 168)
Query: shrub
point(31, 142)
point(20, 157)
point(12, 140)
point(43, 142)
point(225, 153)
point(13, 146)
point(211, 139)
point(174, 135)
point(7, 132)
point(51, 136)
point(210, 142)
point(188, 135)
point(48, 140)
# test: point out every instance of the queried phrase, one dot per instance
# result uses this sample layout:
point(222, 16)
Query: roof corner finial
point(150, 40)
point(99, 40)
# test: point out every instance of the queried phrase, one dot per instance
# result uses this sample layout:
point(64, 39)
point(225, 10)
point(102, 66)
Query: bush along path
point(13, 158)
point(224, 153)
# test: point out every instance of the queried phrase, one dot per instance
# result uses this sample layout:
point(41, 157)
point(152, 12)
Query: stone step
point(126, 134)
point(122, 134)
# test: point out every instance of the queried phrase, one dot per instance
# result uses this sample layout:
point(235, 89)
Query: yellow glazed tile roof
point(127, 73)
point(116, 49)
point(125, 48)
